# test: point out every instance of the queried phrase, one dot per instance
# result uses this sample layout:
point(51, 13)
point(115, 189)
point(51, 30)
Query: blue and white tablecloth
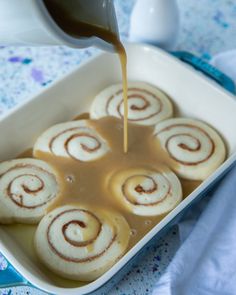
point(207, 27)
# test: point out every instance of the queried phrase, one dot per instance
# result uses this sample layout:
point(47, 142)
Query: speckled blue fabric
point(207, 27)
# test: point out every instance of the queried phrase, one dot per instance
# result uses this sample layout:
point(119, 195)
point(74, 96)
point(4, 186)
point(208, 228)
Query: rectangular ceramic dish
point(193, 94)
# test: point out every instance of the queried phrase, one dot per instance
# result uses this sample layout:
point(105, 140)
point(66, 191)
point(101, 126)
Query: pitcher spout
point(82, 23)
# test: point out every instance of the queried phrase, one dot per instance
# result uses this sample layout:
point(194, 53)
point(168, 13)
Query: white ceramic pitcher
point(28, 22)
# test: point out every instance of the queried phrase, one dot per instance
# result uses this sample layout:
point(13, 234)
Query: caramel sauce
point(83, 116)
point(188, 186)
point(63, 16)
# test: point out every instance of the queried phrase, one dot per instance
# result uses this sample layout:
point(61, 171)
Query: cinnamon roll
point(145, 191)
point(147, 105)
point(196, 149)
point(27, 187)
point(75, 139)
point(80, 243)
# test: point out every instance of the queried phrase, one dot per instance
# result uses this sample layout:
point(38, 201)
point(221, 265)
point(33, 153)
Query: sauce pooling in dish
point(90, 181)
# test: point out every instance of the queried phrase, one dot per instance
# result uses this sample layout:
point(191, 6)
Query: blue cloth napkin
point(206, 261)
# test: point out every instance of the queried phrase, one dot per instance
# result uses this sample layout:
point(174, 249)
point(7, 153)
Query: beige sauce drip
point(123, 61)
point(78, 29)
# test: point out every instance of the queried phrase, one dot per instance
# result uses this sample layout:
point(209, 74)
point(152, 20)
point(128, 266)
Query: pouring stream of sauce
point(75, 28)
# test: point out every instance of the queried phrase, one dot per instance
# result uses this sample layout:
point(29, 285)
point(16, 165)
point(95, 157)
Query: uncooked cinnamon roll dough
point(75, 140)
point(27, 187)
point(81, 243)
point(146, 191)
point(196, 148)
point(147, 105)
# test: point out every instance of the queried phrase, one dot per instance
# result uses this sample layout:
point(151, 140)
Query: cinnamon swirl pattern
point(196, 149)
point(147, 105)
point(145, 191)
point(75, 139)
point(27, 187)
point(79, 243)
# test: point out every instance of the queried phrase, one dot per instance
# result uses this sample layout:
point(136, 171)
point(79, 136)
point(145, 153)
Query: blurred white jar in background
point(155, 22)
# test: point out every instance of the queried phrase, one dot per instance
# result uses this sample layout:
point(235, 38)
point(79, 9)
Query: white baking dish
point(194, 96)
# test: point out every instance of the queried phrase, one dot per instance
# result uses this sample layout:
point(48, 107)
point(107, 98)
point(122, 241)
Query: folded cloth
point(206, 261)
